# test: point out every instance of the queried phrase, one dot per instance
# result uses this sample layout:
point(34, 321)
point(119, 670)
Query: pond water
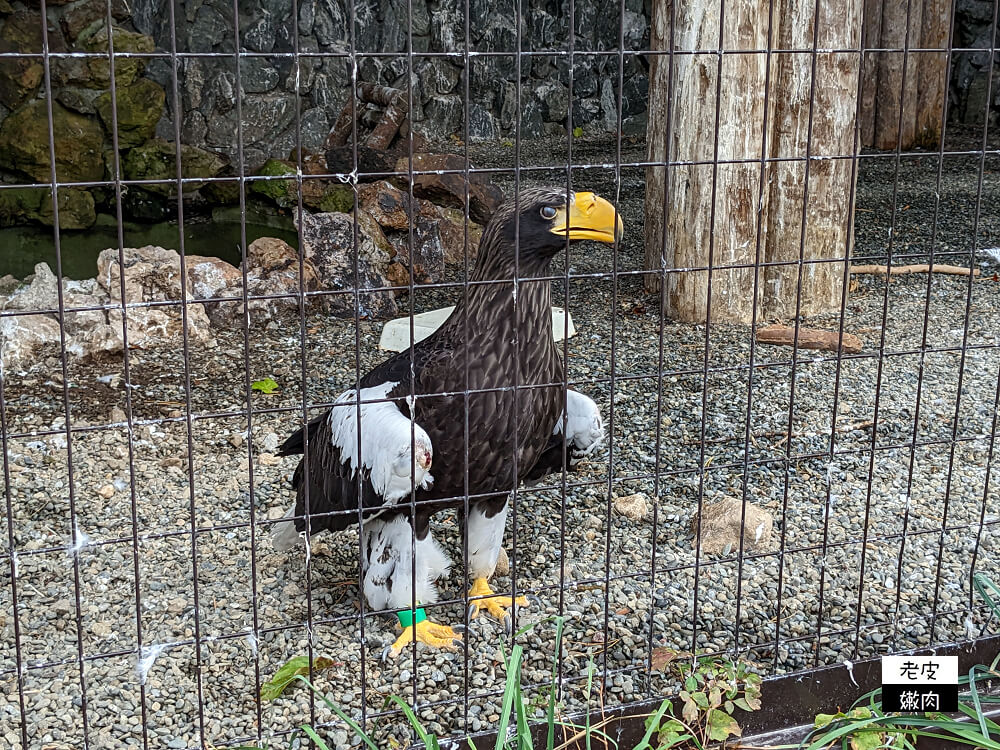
point(22, 247)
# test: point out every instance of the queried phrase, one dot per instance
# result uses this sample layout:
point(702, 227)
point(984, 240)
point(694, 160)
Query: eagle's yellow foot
point(492, 603)
point(439, 636)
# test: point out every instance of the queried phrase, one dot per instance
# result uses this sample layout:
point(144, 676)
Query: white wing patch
point(386, 442)
point(583, 424)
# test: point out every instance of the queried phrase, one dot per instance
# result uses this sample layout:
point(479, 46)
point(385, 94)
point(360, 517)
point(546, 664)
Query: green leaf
point(690, 683)
point(577, 132)
point(701, 699)
point(822, 720)
point(721, 725)
point(294, 667)
point(266, 386)
point(729, 705)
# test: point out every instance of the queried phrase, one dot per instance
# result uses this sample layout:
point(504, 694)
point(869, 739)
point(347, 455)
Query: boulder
point(387, 204)
point(212, 278)
point(449, 189)
point(139, 107)
point(282, 192)
point(86, 332)
point(21, 337)
point(19, 205)
point(452, 226)
point(390, 207)
point(23, 205)
point(273, 267)
point(421, 251)
point(336, 197)
point(328, 242)
point(151, 274)
point(76, 209)
point(89, 331)
point(721, 528)
point(127, 69)
point(41, 295)
point(24, 143)
point(157, 160)
point(95, 72)
point(78, 99)
point(318, 193)
point(20, 77)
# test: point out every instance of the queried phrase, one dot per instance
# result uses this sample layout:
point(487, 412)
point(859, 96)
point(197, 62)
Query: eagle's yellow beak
point(589, 217)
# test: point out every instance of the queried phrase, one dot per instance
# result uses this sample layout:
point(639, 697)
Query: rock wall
point(287, 98)
point(270, 76)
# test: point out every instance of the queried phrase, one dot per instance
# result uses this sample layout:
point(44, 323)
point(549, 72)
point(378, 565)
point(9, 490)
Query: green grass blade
point(975, 700)
point(337, 710)
point(590, 684)
point(984, 585)
point(653, 726)
point(429, 740)
point(523, 727)
point(509, 688)
point(550, 717)
point(315, 737)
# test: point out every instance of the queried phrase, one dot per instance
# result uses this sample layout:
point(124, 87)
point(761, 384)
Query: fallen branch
point(916, 268)
point(809, 338)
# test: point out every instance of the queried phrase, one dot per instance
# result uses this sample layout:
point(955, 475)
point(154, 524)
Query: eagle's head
point(536, 223)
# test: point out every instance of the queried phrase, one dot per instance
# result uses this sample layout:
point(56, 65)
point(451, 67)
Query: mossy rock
point(24, 143)
point(95, 73)
point(76, 209)
point(139, 107)
point(20, 206)
point(282, 192)
point(157, 160)
point(338, 198)
point(20, 77)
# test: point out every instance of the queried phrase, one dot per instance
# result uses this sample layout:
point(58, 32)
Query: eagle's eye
point(548, 212)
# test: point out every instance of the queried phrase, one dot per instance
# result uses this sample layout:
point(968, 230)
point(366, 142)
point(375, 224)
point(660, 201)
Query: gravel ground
point(878, 530)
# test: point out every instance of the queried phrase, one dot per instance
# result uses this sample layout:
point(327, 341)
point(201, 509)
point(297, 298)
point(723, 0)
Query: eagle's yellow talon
point(431, 633)
point(495, 605)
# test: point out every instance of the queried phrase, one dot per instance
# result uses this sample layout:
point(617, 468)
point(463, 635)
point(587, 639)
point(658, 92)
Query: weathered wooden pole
point(905, 110)
point(814, 102)
point(696, 235)
point(694, 231)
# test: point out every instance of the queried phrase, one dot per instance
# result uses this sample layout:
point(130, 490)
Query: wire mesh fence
point(315, 169)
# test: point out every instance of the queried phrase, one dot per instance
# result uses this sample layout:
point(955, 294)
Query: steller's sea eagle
point(457, 417)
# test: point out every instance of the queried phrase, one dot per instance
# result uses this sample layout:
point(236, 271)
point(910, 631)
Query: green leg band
point(408, 617)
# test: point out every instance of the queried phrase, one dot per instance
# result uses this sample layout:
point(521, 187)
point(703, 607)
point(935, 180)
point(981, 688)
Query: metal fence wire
point(793, 507)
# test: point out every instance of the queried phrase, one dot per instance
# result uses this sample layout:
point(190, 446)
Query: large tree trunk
point(824, 185)
point(682, 195)
point(696, 235)
point(904, 110)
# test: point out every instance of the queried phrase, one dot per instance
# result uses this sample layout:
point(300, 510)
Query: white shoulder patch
point(386, 442)
point(582, 422)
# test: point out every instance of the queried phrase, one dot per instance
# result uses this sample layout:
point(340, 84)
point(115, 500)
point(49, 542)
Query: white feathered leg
point(283, 534)
point(392, 564)
point(485, 539)
point(389, 564)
